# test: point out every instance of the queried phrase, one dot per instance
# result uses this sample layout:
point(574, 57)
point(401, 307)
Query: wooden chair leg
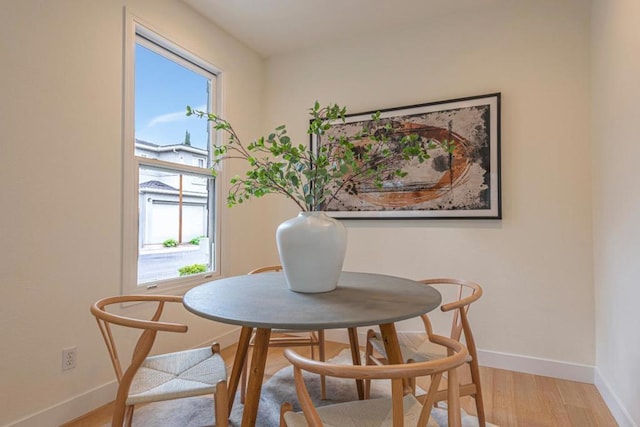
point(412, 381)
point(120, 414)
point(368, 353)
point(313, 339)
point(221, 405)
point(128, 415)
point(475, 378)
point(453, 399)
point(284, 408)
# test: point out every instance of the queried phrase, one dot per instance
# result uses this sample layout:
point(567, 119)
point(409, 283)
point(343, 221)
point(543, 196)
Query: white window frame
point(131, 163)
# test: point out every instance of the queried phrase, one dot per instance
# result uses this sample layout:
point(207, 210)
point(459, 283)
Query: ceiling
point(273, 27)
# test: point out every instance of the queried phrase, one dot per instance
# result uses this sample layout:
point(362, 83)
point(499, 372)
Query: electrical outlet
point(69, 356)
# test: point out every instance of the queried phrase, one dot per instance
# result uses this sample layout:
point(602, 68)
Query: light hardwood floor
point(511, 398)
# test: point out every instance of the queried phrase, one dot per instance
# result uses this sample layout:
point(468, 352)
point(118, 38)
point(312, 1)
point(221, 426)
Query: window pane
point(174, 202)
point(175, 224)
point(163, 89)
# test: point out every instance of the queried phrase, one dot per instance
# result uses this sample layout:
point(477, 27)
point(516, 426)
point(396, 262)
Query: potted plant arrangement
point(312, 245)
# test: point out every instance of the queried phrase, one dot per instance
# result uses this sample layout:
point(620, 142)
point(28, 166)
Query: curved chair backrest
point(149, 327)
point(467, 293)
point(266, 269)
point(435, 368)
point(152, 384)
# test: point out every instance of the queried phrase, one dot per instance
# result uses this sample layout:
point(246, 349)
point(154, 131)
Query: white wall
point(61, 121)
point(536, 263)
point(616, 202)
point(61, 173)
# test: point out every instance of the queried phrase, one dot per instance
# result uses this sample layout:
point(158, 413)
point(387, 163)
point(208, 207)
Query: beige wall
point(616, 201)
point(536, 263)
point(61, 173)
point(61, 122)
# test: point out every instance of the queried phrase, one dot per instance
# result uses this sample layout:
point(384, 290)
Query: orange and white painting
point(462, 183)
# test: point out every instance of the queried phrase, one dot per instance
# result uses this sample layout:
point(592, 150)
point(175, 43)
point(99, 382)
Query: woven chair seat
point(362, 413)
point(414, 346)
point(162, 377)
point(177, 375)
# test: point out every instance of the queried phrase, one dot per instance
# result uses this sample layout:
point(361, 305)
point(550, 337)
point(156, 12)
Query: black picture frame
point(463, 185)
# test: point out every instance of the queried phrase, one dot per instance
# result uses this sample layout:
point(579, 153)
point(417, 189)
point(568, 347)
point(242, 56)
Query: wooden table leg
point(238, 363)
point(355, 357)
point(392, 348)
point(256, 374)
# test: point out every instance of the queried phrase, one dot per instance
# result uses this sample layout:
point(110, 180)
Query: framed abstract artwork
point(463, 182)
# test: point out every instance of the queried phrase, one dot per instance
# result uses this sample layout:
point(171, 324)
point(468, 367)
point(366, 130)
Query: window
point(170, 226)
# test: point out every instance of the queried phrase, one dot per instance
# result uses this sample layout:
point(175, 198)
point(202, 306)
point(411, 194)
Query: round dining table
point(264, 302)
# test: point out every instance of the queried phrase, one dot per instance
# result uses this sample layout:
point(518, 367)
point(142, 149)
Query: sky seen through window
point(163, 89)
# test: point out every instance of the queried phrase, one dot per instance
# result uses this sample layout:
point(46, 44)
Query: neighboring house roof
point(157, 185)
point(145, 145)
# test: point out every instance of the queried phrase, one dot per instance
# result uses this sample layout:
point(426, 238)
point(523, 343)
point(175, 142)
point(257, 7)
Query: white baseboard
point(619, 412)
point(510, 362)
point(536, 366)
point(81, 404)
point(226, 340)
point(69, 409)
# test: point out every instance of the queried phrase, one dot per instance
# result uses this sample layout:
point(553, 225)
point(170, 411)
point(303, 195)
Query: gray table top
point(264, 301)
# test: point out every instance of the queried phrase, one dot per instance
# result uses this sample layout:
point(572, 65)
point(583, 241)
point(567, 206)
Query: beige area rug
point(198, 411)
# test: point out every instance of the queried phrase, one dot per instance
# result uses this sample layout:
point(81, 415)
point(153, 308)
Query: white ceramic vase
point(312, 248)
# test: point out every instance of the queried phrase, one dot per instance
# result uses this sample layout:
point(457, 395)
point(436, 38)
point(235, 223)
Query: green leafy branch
point(313, 176)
